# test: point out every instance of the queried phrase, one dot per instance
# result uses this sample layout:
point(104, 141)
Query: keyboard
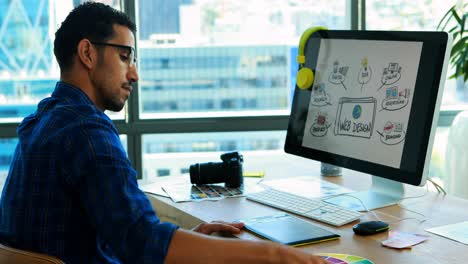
point(311, 208)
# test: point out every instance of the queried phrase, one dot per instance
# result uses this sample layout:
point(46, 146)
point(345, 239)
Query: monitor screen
point(373, 103)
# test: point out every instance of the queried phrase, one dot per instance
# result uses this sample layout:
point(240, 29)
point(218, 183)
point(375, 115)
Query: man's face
point(114, 73)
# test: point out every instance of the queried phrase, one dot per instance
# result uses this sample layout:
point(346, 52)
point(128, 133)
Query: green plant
point(456, 20)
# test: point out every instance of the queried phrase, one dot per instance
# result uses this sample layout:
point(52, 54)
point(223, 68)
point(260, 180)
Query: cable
point(401, 219)
point(438, 187)
point(357, 198)
point(328, 197)
point(407, 209)
point(366, 209)
point(414, 197)
point(398, 204)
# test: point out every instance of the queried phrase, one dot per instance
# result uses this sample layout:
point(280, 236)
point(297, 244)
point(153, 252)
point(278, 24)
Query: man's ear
point(86, 53)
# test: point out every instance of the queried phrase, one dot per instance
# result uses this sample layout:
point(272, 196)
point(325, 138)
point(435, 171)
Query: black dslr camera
point(229, 171)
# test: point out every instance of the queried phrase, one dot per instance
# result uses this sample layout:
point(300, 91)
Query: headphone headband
point(302, 43)
point(305, 76)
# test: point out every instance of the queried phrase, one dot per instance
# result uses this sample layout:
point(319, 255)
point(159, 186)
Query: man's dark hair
point(90, 20)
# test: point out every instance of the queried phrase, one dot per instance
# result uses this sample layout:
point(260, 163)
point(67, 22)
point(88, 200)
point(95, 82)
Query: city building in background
point(162, 15)
point(203, 80)
point(7, 147)
point(26, 55)
point(196, 58)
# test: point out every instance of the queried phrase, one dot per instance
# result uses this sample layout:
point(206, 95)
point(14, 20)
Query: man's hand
point(218, 226)
point(191, 247)
point(293, 255)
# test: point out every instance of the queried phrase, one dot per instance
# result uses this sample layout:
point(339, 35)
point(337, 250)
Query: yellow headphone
point(305, 76)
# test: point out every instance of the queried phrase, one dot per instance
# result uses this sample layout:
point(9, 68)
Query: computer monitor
point(372, 107)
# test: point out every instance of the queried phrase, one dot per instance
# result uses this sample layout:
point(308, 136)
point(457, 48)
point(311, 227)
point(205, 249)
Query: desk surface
point(437, 208)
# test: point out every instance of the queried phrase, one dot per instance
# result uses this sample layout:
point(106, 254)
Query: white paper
point(399, 239)
point(181, 190)
point(457, 232)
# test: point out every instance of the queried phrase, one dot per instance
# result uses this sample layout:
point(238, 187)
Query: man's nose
point(132, 74)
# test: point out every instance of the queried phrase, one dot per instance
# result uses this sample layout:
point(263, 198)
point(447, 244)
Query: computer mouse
point(370, 228)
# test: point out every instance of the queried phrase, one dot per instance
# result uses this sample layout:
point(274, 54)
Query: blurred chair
point(16, 256)
point(456, 157)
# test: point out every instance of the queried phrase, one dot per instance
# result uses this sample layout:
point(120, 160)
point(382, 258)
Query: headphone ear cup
point(304, 78)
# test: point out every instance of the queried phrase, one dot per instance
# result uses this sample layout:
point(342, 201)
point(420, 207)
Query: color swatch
point(344, 259)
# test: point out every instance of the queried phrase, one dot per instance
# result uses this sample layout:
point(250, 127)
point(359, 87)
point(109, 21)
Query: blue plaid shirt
point(71, 191)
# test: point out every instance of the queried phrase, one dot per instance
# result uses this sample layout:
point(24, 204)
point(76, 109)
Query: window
point(215, 76)
point(226, 57)
point(437, 169)
point(172, 154)
point(123, 139)
point(28, 69)
point(419, 16)
point(7, 148)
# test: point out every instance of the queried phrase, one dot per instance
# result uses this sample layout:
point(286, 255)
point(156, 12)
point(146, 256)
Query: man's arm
point(101, 175)
point(124, 218)
point(190, 247)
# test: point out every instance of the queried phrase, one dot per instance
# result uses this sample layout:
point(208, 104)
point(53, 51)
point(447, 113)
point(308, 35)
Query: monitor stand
point(382, 193)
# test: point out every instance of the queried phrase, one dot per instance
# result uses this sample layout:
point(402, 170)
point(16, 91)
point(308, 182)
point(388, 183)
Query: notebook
point(288, 230)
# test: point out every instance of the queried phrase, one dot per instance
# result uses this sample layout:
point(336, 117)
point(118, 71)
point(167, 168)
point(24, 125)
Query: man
point(71, 191)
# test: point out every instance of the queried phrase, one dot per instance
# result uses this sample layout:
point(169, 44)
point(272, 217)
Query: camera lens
point(206, 173)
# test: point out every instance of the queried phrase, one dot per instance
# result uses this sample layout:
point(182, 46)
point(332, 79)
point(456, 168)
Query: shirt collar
point(71, 94)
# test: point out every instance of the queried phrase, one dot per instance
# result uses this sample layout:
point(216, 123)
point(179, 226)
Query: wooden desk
point(438, 209)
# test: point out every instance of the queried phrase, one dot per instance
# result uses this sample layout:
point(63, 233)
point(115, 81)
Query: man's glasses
point(131, 51)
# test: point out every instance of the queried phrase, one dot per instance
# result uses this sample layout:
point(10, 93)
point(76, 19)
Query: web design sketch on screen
point(362, 95)
point(355, 117)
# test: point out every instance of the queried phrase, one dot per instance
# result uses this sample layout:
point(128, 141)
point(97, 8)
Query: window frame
point(134, 127)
